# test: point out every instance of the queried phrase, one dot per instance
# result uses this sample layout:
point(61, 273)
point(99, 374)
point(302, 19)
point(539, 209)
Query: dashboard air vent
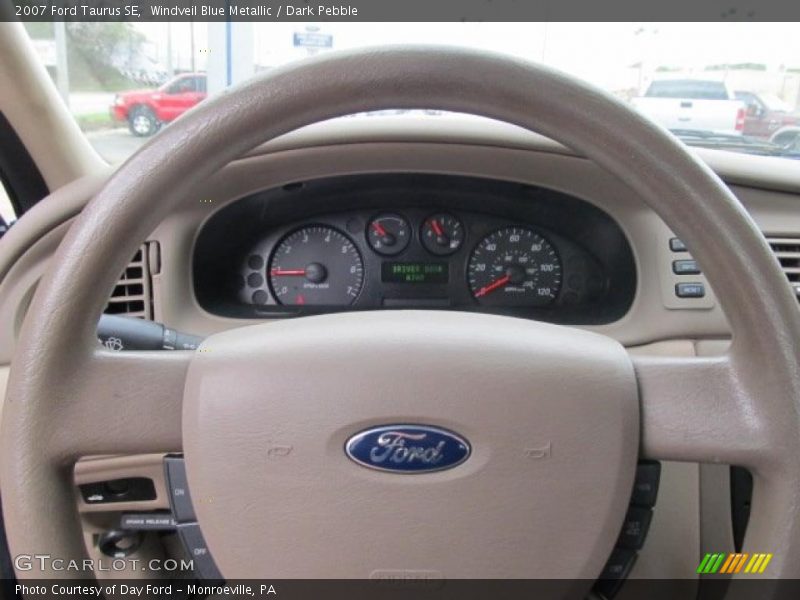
point(132, 296)
point(787, 250)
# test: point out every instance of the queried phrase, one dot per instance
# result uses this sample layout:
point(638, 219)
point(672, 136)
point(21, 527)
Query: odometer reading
point(514, 267)
point(316, 265)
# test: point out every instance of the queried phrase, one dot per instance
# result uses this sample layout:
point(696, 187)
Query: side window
point(182, 86)
point(754, 105)
point(748, 99)
point(201, 84)
point(700, 90)
point(6, 209)
point(21, 183)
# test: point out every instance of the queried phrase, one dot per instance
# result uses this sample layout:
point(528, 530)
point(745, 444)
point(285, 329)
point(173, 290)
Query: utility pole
point(191, 38)
point(62, 68)
point(170, 65)
point(544, 43)
point(797, 98)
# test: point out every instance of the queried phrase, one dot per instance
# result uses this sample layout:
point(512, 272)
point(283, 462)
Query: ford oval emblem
point(407, 448)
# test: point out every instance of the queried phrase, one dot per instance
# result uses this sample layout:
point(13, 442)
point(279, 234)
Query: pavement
point(115, 145)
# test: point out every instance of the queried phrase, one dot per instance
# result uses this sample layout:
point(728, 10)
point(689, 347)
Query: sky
point(598, 52)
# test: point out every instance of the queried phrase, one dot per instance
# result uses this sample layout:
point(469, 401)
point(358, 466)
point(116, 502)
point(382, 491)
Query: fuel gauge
point(442, 234)
point(388, 234)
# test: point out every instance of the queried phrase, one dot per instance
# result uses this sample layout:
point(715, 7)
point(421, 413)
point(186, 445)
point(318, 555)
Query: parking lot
point(115, 145)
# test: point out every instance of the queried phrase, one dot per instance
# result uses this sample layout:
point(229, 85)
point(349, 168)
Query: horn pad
point(549, 415)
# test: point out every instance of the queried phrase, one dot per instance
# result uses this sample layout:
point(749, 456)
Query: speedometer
point(512, 267)
point(316, 265)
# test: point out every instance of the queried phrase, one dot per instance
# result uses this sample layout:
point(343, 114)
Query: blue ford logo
point(407, 448)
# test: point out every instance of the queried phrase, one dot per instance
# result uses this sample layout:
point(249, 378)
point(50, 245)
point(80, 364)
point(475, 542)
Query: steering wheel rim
point(741, 409)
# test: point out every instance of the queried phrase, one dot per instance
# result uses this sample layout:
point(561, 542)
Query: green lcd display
point(414, 272)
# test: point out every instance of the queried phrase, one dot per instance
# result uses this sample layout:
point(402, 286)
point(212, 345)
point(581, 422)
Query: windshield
point(123, 82)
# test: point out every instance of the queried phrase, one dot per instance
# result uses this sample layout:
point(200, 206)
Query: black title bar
point(399, 10)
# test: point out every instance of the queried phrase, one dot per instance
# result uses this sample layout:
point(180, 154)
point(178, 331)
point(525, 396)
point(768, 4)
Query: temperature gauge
point(442, 234)
point(388, 234)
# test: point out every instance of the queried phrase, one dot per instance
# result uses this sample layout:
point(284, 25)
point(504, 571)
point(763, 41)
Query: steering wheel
point(308, 385)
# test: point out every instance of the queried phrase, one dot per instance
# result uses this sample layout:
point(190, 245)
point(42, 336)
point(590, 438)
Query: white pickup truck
point(695, 105)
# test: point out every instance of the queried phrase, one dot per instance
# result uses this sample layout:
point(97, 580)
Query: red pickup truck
point(146, 110)
point(766, 114)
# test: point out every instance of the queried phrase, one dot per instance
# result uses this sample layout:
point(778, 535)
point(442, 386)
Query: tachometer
point(514, 266)
point(316, 265)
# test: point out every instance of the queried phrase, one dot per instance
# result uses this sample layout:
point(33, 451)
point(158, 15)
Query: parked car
point(784, 143)
point(787, 138)
point(146, 110)
point(765, 114)
point(693, 104)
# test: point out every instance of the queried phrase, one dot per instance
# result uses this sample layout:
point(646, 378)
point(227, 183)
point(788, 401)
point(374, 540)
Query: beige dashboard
point(657, 321)
point(463, 147)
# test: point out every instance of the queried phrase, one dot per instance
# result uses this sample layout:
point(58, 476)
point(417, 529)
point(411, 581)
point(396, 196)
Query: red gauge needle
point(437, 229)
point(487, 289)
point(285, 272)
point(378, 228)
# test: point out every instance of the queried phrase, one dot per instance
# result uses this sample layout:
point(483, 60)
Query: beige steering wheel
point(576, 391)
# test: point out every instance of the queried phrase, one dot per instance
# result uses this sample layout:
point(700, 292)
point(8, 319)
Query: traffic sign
point(313, 40)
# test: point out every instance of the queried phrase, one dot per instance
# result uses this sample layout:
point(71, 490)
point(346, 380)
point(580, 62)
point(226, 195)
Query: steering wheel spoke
point(704, 410)
point(123, 403)
point(693, 411)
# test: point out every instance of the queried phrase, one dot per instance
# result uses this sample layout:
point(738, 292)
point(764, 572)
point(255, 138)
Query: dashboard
point(393, 241)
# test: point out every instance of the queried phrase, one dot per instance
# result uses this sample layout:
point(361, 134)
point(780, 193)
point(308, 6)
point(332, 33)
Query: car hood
point(138, 93)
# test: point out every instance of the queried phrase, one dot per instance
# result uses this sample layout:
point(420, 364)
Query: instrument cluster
point(365, 244)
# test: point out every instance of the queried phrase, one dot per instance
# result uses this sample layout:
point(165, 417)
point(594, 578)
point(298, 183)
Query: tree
point(100, 47)
point(95, 51)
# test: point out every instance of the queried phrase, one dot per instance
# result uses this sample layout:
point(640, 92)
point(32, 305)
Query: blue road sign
point(313, 40)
